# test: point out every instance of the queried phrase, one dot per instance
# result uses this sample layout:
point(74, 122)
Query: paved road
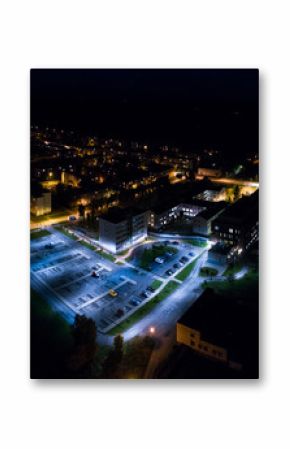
point(164, 317)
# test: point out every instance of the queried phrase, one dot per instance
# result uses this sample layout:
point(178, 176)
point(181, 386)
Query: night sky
point(189, 108)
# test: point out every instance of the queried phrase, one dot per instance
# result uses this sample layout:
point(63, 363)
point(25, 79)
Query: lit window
point(231, 230)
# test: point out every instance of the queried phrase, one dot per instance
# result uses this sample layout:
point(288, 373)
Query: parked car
point(120, 313)
point(191, 254)
point(177, 265)
point(159, 260)
point(175, 242)
point(169, 254)
point(169, 273)
point(113, 293)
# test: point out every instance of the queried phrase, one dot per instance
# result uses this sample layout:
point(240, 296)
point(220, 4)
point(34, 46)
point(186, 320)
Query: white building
point(202, 223)
point(161, 216)
point(120, 229)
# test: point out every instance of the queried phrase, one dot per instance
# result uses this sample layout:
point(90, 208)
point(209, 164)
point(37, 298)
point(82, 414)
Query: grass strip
point(186, 271)
point(39, 234)
point(143, 311)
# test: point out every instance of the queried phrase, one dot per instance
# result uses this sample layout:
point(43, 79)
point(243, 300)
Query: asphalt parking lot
point(88, 284)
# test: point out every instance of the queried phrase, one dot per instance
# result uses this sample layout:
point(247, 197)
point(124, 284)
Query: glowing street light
point(152, 330)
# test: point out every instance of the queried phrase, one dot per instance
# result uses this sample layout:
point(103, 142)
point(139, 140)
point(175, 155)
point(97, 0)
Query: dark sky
point(189, 108)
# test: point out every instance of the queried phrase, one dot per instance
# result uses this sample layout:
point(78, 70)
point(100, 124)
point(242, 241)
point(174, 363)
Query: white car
point(159, 260)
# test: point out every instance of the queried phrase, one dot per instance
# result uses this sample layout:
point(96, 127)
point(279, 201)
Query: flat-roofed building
point(238, 225)
point(215, 195)
point(167, 213)
point(221, 253)
point(223, 329)
point(209, 172)
point(202, 223)
point(120, 229)
point(40, 203)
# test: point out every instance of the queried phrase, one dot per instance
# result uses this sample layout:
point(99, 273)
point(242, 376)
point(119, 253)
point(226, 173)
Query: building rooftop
point(212, 210)
point(116, 214)
point(164, 206)
point(242, 209)
point(221, 248)
point(224, 321)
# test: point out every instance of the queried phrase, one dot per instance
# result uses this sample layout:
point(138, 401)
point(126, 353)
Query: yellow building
point(192, 337)
point(69, 179)
point(221, 328)
point(41, 204)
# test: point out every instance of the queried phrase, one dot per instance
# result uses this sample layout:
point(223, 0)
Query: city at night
point(144, 224)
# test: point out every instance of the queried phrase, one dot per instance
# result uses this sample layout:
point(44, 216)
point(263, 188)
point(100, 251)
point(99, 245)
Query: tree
point(81, 209)
point(236, 192)
point(119, 347)
point(84, 334)
point(111, 367)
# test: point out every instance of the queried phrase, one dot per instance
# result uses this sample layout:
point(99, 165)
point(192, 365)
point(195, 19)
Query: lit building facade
point(209, 172)
point(41, 204)
point(121, 229)
point(222, 329)
point(202, 223)
point(161, 216)
point(238, 225)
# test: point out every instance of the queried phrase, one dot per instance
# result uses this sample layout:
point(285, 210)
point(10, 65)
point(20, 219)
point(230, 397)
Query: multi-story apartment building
point(122, 228)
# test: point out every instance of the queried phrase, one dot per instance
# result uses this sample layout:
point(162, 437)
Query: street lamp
point(152, 330)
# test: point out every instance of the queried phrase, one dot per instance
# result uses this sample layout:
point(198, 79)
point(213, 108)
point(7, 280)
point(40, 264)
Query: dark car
point(169, 254)
point(119, 313)
point(169, 273)
point(177, 265)
point(133, 302)
point(191, 254)
point(175, 242)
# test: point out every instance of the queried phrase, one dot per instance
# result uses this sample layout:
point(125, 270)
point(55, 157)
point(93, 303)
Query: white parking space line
point(78, 279)
point(96, 298)
point(61, 298)
point(73, 259)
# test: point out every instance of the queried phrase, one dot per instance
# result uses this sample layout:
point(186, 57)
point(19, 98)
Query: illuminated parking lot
point(86, 283)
